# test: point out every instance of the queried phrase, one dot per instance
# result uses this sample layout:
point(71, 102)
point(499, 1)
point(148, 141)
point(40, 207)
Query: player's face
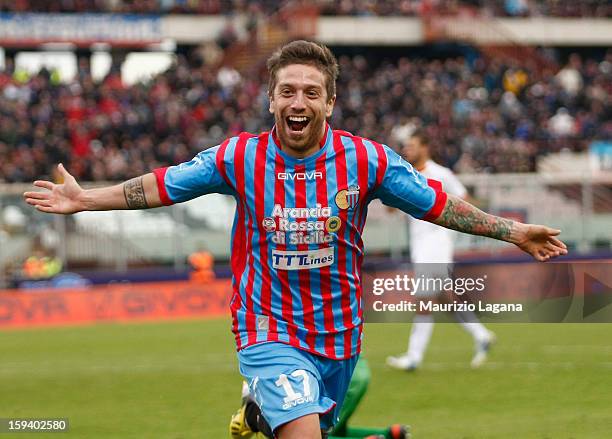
point(414, 151)
point(300, 106)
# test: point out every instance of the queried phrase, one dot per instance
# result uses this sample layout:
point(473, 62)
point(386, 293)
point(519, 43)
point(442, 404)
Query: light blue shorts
point(288, 383)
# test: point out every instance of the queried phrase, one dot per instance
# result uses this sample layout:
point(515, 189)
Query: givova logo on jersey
point(313, 175)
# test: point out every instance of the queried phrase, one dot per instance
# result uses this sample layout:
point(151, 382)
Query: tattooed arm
point(134, 193)
point(538, 241)
point(68, 197)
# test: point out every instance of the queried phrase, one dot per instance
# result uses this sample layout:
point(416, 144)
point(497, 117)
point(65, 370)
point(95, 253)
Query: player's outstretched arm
point(539, 241)
point(68, 197)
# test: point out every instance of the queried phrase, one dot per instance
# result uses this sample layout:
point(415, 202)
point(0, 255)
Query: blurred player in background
point(431, 252)
point(356, 391)
point(302, 191)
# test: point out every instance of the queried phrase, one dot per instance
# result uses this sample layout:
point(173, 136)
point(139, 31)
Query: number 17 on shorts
point(293, 397)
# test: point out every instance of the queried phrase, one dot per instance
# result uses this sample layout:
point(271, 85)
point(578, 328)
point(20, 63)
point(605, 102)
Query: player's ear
point(271, 99)
point(329, 107)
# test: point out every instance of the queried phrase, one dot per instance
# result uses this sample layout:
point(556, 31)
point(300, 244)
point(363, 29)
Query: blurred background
point(514, 93)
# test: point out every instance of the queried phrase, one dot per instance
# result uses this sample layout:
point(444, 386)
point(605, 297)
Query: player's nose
point(298, 102)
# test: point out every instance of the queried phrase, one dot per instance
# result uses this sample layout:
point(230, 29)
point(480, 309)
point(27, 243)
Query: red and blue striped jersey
point(296, 248)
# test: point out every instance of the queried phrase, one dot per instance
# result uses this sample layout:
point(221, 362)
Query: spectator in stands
point(562, 124)
point(515, 79)
point(570, 77)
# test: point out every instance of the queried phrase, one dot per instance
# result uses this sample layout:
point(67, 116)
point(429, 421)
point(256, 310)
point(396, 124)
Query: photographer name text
point(455, 306)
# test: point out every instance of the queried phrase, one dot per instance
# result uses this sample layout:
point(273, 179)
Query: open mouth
point(297, 123)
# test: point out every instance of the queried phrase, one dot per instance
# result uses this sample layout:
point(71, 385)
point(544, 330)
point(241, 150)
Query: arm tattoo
point(463, 217)
point(134, 193)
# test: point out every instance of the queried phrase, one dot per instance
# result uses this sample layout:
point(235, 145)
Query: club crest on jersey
point(348, 198)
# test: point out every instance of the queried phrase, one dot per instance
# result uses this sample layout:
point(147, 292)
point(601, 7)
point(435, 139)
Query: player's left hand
point(539, 241)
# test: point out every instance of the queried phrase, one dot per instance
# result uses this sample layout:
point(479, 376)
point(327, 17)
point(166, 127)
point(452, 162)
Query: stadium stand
point(501, 8)
point(486, 115)
point(497, 95)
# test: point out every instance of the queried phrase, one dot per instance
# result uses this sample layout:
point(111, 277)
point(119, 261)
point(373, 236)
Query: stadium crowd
point(483, 117)
point(516, 8)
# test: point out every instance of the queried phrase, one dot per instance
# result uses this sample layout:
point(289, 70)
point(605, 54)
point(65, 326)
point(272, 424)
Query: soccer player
point(302, 191)
point(431, 251)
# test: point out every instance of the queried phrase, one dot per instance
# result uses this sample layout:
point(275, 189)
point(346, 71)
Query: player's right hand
point(62, 198)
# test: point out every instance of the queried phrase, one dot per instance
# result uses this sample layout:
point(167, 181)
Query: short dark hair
point(305, 52)
point(422, 136)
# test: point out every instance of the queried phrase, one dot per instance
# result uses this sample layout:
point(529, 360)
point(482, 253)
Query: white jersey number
point(292, 395)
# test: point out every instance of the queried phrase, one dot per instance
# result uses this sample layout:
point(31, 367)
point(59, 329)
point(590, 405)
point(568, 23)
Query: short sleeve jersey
point(296, 248)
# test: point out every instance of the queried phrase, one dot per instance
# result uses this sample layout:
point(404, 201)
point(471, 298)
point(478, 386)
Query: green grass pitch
point(180, 380)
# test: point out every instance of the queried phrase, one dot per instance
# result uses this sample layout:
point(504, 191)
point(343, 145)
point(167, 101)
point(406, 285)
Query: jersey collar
point(324, 143)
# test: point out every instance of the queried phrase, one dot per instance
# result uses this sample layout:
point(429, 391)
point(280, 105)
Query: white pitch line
point(521, 365)
point(546, 349)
